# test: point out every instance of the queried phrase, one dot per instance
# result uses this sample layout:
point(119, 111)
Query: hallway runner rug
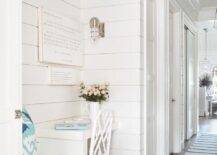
point(205, 144)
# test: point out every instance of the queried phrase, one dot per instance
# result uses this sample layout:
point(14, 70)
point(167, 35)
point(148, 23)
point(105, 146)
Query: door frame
point(177, 46)
point(162, 93)
point(11, 80)
point(191, 26)
point(162, 39)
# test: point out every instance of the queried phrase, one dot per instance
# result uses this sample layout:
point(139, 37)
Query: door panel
point(10, 79)
point(171, 97)
point(190, 83)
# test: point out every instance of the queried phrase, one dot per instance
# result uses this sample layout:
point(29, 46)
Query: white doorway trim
point(162, 52)
point(191, 26)
point(177, 46)
point(162, 25)
point(10, 79)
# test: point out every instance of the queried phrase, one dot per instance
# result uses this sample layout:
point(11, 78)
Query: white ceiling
point(199, 9)
point(208, 3)
point(199, 4)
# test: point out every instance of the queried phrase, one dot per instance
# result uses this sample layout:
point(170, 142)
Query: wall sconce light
point(97, 29)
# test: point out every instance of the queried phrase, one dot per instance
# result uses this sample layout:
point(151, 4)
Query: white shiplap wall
point(43, 101)
point(117, 59)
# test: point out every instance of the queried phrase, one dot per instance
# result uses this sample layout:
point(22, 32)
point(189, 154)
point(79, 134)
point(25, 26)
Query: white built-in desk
point(62, 142)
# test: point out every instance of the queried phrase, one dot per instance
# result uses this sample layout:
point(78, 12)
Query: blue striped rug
point(205, 144)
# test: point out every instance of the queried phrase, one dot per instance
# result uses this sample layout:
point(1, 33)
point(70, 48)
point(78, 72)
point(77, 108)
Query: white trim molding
point(162, 22)
point(162, 56)
point(192, 27)
point(177, 84)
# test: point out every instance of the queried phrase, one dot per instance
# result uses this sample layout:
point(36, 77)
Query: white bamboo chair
point(101, 134)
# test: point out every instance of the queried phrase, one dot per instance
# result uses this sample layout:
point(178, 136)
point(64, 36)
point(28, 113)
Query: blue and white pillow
point(29, 139)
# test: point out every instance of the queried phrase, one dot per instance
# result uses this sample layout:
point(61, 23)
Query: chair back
point(101, 133)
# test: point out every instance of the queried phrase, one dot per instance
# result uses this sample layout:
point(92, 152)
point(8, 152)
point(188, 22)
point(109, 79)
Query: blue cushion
point(29, 140)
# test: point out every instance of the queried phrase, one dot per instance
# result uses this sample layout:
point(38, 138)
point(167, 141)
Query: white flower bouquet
point(95, 92)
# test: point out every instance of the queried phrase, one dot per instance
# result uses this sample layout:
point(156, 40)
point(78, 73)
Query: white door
point(10, 80)
point(190, 49)
point(171, 96)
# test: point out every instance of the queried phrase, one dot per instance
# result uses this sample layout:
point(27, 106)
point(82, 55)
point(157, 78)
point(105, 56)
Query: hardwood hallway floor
point(207, 125)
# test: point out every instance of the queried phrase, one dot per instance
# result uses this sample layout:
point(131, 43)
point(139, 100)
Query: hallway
point(208, 125)
point(207, 138)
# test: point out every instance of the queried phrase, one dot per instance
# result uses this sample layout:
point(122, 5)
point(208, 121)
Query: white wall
point(207, 13)
point(205, 18)
point(116, 59)
point(43, 101)
point(211, 56)
point(211, 43)
point(212, 47)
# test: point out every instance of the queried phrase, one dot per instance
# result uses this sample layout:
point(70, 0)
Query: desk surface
point(47, 131)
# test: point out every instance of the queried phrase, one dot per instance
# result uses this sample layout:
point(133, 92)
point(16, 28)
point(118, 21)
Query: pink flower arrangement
point(95, 92)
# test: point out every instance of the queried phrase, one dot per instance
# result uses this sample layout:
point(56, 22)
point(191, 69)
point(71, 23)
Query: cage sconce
point(97, 29)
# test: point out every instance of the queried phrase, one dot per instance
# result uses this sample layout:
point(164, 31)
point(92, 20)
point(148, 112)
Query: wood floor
point(207, 125)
